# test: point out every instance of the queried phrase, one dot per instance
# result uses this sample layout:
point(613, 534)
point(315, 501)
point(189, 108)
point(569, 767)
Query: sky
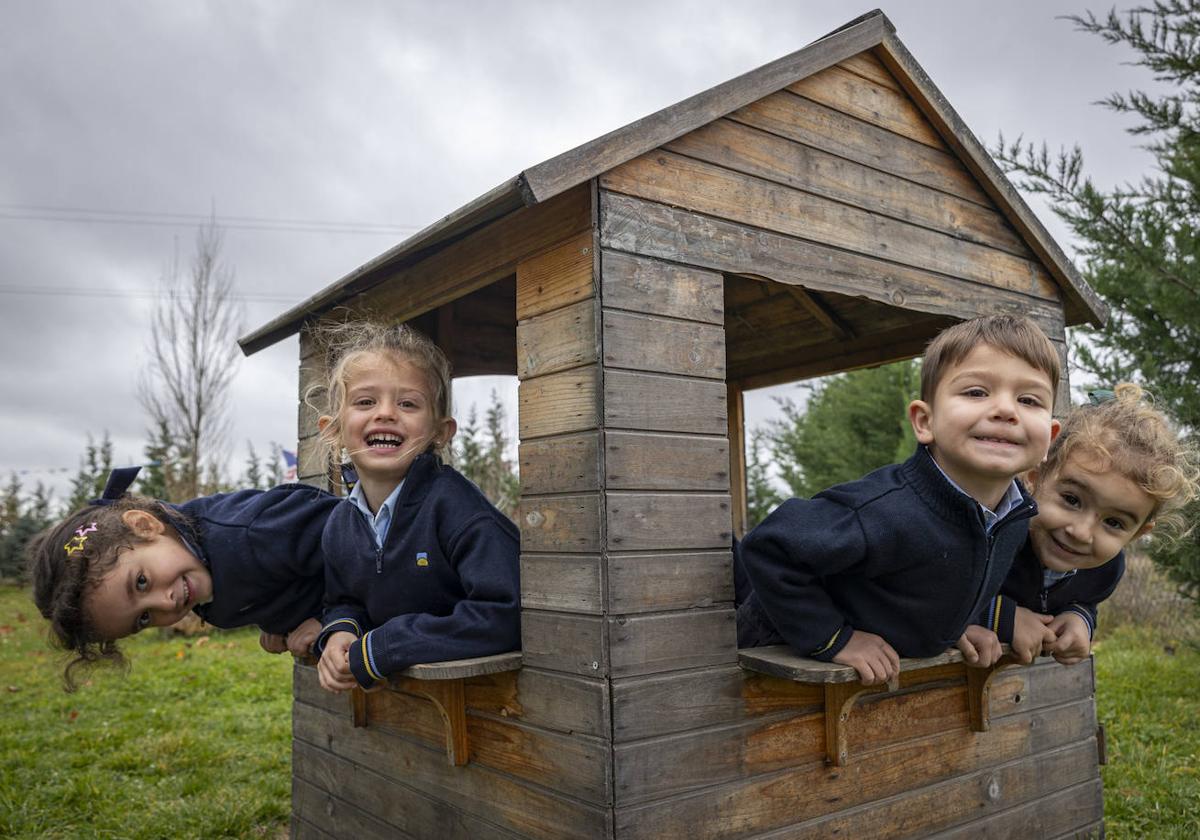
point(321, 134)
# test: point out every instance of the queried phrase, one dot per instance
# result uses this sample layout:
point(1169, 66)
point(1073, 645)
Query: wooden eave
point(555, 176)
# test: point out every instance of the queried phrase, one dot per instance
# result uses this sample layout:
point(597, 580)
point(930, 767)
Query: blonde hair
point(1018, 336)
point(347, 344)
point(1128, 435)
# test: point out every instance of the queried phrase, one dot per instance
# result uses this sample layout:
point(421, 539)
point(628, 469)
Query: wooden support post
point(839, 700)
point(449, 698)
point(358, 706)
point(737, 460)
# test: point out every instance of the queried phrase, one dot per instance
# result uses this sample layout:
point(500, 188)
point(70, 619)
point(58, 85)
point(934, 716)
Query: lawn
point(195, 742)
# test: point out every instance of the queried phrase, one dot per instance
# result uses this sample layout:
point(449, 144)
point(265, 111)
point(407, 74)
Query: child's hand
point(334, 668)
point(874, 659)
point(1072, 644)
point(1030, 634)
point(980, 646)
point(300, 640)
point(271, 642)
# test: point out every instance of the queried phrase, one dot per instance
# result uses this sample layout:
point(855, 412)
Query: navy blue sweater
point(1025, 586)
point(445, 584)
point(900, 553)
point(263, 549)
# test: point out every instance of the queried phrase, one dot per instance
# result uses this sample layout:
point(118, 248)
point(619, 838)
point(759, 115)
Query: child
point(898, 562)
point(1116, 472)
point(123, 563)
point(420, 567)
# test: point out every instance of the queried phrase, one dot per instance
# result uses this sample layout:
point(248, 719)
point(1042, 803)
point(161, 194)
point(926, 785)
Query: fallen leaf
point(21, 617)
point(181, 654)
point(203, 640)
point(74, 714)
point(5, 629)
point(13, 689)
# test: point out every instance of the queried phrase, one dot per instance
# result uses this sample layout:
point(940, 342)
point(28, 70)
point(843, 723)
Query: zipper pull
point(379, 560)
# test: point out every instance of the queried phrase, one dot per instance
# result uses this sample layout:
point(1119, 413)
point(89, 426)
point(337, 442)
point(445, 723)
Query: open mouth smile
point(383, 440)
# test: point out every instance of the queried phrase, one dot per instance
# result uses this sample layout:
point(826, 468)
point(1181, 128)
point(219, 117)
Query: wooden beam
point(737, 460)
point(822, 312)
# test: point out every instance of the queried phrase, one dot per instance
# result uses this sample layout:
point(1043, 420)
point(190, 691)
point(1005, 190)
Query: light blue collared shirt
point(1011, 499)
point(382, 520)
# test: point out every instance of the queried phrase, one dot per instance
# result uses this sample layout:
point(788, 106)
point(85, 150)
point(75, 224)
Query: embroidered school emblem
point(422, 558)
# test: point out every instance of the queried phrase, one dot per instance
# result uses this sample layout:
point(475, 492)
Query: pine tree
point(761, 495)
point(1139, 244)
point(158, 476)
point(481, 455)
point(253, 478)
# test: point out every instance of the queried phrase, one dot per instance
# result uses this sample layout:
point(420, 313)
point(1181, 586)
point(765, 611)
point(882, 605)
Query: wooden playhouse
point(824, 212)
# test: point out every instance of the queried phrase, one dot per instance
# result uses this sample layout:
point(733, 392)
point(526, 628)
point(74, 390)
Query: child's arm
point(786, 557)
point(301, 639)
point(1031, 634)
point(1073, 640)
point(980, 647)
point(486, 556)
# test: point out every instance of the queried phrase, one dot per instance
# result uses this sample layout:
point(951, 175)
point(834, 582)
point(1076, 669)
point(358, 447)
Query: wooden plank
point(564, 582)
point(661, 345)
point(986, 793)
point(737, 460)
point(312, 457)
point(661, 704)
point(761, 803)
point(565, 464)
point(560, 523)
point(661, 288)
point(555, 278)
point(703, 188)
point(550, 700)
point(333, 816)
point(331, 792)
point(781, 661)
point(865, 64)
point(517, 806)
point(651, 644)
point(863, 99)
point(575, 644)
point(479, 258)
point(558, 340)
point(462, 668)
point(819, 127)
point(648, 461)
point(589, 160)
point(655, 403)
point(313, 382)
point(657, 230)
point(1039, 685)
point(667, 521)
point(558, 403)
point(755, 152)
point(650, 582)
point(1075, 812)
point(303, 830)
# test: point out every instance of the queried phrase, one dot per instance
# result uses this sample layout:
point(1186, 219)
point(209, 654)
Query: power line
point(34, 212)
point(82, 291)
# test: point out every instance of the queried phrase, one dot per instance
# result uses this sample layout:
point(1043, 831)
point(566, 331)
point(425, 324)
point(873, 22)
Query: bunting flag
point(289, 458)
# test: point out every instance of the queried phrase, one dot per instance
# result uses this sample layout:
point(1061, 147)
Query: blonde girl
point(420, 566)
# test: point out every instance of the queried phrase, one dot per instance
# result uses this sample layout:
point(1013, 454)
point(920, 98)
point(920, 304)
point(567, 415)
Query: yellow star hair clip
point(76, 542)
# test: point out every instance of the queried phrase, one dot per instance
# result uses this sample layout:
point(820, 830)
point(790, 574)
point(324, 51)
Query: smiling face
point(387, 420)
point(1086, 515)
point(153, 584)
point(988, 422)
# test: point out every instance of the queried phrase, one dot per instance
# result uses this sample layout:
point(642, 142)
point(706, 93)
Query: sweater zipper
point(378, 559)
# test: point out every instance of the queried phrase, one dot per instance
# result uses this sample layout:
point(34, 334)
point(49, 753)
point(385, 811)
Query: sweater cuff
point(339, 625)
point(835, 644)
point(362, 662)
point(1086, 615)
point(1001, 617)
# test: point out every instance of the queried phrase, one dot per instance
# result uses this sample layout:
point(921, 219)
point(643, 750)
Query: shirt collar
point(383, 518)
point(1012, 497)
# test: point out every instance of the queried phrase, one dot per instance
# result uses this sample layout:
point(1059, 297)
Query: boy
point(899, 561)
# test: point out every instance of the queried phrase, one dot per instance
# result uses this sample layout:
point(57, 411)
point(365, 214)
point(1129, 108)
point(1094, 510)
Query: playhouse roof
point(552, 177)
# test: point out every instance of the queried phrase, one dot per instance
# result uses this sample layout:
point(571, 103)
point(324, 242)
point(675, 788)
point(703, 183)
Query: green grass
point(195, 742)
point(1149, 702)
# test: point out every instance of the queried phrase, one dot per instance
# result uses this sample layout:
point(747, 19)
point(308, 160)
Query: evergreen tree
point(854, 422)
point(481, 455)
point(761, 496)
point(158, 478)
point(274, 470)
point(94, 467)
point(20, 519)
point(254, 478)
point(1139, 244)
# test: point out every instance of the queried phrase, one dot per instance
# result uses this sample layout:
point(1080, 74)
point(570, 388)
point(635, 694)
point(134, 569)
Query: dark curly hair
point(65, 563)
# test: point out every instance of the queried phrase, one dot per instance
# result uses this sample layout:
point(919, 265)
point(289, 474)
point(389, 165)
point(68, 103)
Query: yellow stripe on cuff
point(829, 644)
point(996, 616)
point(367, 660)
